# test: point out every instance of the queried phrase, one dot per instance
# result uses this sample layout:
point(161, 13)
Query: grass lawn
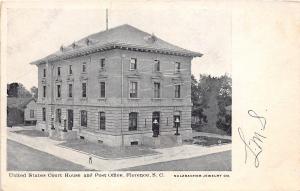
point(213, 162)
point(105, 151)
point(207, 141)
point(24, 158)
point(31, 133)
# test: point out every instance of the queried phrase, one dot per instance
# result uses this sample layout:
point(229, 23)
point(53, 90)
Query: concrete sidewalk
point(167, 154)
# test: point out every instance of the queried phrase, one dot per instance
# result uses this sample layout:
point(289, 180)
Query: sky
point(33, 33)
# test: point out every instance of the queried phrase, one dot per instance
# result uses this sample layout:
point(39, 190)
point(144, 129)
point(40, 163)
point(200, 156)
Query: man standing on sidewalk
point(90, 160)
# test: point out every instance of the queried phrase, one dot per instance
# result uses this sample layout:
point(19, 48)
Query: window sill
point(180, 99)
point(156, 99)
point(134, 98)
point(70, 99)
point(84, 99)
point(58, 99)
point(102, 99)
point(100, 130)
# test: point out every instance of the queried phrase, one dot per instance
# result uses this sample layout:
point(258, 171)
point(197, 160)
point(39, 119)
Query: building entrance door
point(70, 119)
point(155, 123)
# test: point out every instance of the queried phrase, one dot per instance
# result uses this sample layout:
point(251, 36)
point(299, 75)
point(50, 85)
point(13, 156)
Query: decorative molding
point(102, 76)
point(58, 80)
point(109, 46)
point(70, 78)
point(83, 77)
point(134, 74)
point(44, 81)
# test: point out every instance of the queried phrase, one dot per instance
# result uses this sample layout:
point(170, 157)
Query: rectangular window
point(177, 91)
point(83, 89)
point(156, 65)
point(58, 71)
point(31, 113)
point(70, 70)
point(102, 120)
point(44, 72)
point(176, 120)
point(44, 91)
point(70, 90)
point(133, 90)
point(84, 67)
point(102, 89)
point(83, 118)
point(44, 114)
point(58, 91)
point(58, 116)
point(102, 63)
point(133, 64)
point(177, 67)
point(133, 121)
point(156, 90)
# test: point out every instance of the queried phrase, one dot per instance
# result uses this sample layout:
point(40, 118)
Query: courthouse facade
point(111, 86)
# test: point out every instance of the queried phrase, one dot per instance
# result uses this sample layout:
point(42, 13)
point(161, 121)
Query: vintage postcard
point(144, 95)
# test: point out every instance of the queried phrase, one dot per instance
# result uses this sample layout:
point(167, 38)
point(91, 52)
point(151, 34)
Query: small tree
point(23, 92)
point(224, 101)
point(12, 89)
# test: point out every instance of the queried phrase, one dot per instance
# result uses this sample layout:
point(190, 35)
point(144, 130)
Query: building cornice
point(84, 51)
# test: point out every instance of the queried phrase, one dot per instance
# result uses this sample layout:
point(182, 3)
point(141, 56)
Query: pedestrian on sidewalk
point(90, 160)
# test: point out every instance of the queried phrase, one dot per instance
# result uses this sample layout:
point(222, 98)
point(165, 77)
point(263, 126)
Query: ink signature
point(255, 144)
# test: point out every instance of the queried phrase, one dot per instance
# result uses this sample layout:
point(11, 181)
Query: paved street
point(212, 162)
point(23, 158)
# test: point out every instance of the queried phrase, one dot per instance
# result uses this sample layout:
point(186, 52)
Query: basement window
point(134, 143)
point(81, 137)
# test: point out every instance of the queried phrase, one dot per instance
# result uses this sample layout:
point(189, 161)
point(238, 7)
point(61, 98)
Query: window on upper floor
point(102, 120)
point(177, 91)
point(44, 113)
point(84, 67)
point(58, 71)
point(102, 63)
point(177, 67)
point(70, 70)
point(156, 65)
point(133, 119)
point(58, 90)
point(70, 93)
point(102, 89)
point(83, 118)
point(44, 72)
point(156, 90)
point(44, 91)
point(133, 63)
point(133, 86)
point(83, 85)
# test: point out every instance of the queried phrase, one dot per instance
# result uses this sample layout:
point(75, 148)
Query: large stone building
point(111, 86)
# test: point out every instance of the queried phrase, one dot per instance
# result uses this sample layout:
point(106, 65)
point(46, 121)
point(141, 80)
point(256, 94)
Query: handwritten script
point(254, 145)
